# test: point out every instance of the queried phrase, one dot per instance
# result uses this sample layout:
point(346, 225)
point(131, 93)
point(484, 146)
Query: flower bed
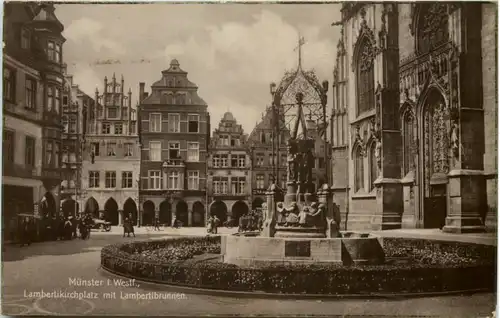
point(430, 266)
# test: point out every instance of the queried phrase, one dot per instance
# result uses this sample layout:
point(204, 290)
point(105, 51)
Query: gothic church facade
point(414, 117)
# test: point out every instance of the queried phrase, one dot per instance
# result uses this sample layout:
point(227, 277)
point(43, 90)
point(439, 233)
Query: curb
point(256, 294)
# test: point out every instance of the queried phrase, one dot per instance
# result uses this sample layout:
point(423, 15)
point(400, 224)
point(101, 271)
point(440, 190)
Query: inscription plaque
point(297, 248)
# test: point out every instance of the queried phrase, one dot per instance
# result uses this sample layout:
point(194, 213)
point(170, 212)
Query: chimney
point(146, 94)
point(141, 91)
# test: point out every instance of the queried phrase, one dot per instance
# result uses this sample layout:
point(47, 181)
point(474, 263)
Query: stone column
point(389, 191)
point(466, 198)
point(466, 181)
point(270, 213)
point(190, 217)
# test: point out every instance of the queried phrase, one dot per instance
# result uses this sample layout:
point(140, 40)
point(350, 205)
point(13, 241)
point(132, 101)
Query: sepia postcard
point(273, 159)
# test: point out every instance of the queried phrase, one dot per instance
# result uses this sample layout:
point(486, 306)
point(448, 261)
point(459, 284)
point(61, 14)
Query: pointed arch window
point(359, 171)
point(365, 78)
point(408, 137)
point(373, 165)
point(432, 26)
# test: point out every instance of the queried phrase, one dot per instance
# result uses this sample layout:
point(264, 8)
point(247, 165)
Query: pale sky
point(231, 51)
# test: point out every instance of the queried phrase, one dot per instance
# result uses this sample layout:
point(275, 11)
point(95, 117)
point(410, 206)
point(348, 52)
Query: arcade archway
point(48, 205)
point(70, 207)
point(219, 209)
point(148, 213)
point(111, 211)
point(239, 209)
point(166, 213)
point(92, 207)
point(181, 212)
point(198, 214)
point(129, 207)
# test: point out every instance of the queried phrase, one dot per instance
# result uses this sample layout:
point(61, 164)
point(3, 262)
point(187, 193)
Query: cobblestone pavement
point(49, 266)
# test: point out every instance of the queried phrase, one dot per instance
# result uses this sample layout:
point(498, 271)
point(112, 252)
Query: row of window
point(173, 180)
point(261, 184)
point(113, 113)
point(225, 140)
point(110, 151)
point(220, 185)
point(117, 128)
point(53, 49)
point(272, 158)
point(110, 179)
point(174, 123)
point(9, 147)
point(229, 161)
point(30, 91)
point(174, 148)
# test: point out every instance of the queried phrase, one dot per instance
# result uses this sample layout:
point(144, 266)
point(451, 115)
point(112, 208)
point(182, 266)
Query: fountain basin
point(351, 248)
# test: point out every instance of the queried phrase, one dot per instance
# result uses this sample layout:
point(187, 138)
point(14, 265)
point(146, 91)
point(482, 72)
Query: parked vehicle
point(98, 224)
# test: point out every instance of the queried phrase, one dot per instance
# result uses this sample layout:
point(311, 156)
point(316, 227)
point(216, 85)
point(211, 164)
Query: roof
point(228, 116)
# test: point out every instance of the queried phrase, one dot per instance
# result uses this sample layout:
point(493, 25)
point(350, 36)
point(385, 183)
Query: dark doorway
point(129, 207)
point(48, 205)
point(239, 209)
point(111, 211)
point(198, 214)
point(434, 159)
point(257, 203)
point(219, 209)
point(92, 207)
point(165, 213)
point(70, 207)
point(181, 212)
point(435, 207)
point(148, 213)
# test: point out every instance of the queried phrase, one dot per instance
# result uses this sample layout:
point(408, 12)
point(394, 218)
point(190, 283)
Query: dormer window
point(54, 52)
point(25, 39)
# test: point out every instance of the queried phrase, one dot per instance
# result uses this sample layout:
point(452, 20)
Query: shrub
point(432, 266)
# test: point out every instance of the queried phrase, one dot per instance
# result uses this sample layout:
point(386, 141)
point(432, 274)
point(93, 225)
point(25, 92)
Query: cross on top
point(302, 41)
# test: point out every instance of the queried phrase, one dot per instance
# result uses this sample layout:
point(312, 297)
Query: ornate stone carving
point(440, 139)
point(365, 47)
point(455, 133)
point(358, 140)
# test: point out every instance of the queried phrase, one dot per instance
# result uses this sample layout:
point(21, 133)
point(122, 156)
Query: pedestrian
point(210, 224)
point(131, 224)
point(157, 224)
point(126, 228)
point(174, 222)
point(12, 229)
point(216, 223)
point(24, 232)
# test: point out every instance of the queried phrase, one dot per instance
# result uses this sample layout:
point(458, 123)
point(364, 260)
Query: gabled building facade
point(263, 171)
point(111, 157)
point(32, 88)
point(229, 177)
point(175, 134)
point(415, 116)
point(75, 105)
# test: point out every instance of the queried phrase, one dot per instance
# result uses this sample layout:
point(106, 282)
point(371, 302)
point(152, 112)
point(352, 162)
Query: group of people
point(26, 229)
point(251, 221)
point(128, 226)
point(213, 224)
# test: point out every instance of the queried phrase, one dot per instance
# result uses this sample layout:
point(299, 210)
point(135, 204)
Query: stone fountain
point(305, 227)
